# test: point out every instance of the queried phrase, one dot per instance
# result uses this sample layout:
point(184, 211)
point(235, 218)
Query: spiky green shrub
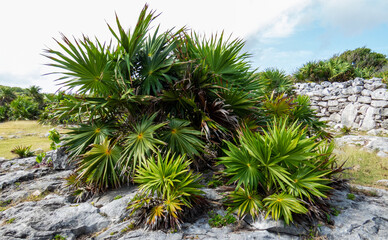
point(24, 108)
point(364, 58)
point(163, 91)
point(4, 113)
point(296, 109)
point(153, 93)
point(283, 161)
point(97, 167)
point(276, 80)
point(22, 151)
point(169, 191)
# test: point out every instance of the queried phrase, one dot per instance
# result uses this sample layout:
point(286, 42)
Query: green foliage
point(140, 143)
point(167, 191)
point(351, 196)
point(296, 109)
point(4, 113)
point(364, 58)
point(276, 80)
point(7, 95)
point(173, 94)
point(59, 237)
point(215, 181)
point(283, 205)
point(117, 197)
point(97, 167)
point(360, 62)
point(40, 157)
point(346, 130)
point(217, 220)
point(80, 138)
point(11, 220)
point(333, 70)
point(284, 160)
point(245, 201)
point(181, 138)
point(24, 107)
point(22, 151)
point(54, 137)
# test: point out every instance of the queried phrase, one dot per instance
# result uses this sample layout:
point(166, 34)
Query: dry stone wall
point(359, 103)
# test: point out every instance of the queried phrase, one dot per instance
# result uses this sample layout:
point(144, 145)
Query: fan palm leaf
point(181, 138)
point(98, 166)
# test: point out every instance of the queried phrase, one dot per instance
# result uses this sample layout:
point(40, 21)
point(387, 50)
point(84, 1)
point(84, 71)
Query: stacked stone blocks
point(360, 103)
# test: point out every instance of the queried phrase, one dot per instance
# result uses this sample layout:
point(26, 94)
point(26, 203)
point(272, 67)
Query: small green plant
point(129, 227)
point(59, 237)
point(215, 181)
point(113, 233)
point(40, 157)
point(17, 184)
point(4, 205)
point(168, 192)
point(335, 211)
point(345, 130)
point(351, 196)
point(54, 136)
point(217, 220)
point(22, 151)
point(117, 197)
point(9, 221)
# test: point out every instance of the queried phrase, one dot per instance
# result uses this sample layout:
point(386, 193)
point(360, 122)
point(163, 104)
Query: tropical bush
point(24, 107)
point(147, 100)
point(169, 192)
point(276, 80)
point(165, 91)
point(4, 113)
point(360, 62)
point(23, 151)
point(364, 58)
point(281, 171)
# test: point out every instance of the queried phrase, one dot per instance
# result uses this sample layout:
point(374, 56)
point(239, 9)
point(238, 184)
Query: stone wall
point(359, 103)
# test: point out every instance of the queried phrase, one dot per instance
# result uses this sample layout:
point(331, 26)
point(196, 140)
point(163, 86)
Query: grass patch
point(365, 168)
point(30, 133)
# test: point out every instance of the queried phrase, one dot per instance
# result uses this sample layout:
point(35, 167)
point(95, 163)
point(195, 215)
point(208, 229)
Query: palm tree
point(7, 95)
point(195, 89)
point(34, 92)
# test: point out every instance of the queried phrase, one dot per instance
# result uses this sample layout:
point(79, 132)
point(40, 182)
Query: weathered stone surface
point(379, 104)
point(366, 92)
point(60, 159)
point(384, 124)
point(322, 104)
point(335, 117)
point(364, 99)
point(332, 103)
point(352, 98)
point(380, 94)
point(369, 121)
point(362, 218)
point(383, 182)
point(349, 115)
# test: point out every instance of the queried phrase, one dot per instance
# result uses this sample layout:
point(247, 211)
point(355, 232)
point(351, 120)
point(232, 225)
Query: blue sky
point(278, 33)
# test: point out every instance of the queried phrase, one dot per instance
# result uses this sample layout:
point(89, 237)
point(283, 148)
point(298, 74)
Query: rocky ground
point(35, 204)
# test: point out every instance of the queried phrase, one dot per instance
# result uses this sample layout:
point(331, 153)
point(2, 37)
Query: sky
point(282, 34)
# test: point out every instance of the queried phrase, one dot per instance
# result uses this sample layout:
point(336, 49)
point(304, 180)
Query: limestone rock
point(369, 121)
point(349, 115)
point(379, 104)
point(380, 94)
point(364, 99)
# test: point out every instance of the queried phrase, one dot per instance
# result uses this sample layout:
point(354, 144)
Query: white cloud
point(352, 17)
